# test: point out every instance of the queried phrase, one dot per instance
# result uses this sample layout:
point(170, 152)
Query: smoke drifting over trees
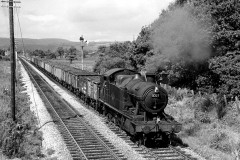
point(190, 41)
point(177, 35)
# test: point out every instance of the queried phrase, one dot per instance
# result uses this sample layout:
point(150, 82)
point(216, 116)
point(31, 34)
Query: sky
point(96, 20)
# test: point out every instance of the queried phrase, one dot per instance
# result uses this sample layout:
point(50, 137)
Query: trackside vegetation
point(19, 139)
point(210, 123)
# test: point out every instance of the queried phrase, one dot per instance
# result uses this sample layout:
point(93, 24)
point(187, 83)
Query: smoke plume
point(178, 35)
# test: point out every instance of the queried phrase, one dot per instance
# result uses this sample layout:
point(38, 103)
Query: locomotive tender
point(134, 102)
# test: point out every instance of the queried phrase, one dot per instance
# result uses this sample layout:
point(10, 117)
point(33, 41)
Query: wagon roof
point(72, 70)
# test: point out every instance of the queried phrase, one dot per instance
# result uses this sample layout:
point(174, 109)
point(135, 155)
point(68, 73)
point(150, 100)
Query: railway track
point(170, 153)
point(83, 142)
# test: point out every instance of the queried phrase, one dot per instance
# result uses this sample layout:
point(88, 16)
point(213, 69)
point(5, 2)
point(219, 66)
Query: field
point(88, 63)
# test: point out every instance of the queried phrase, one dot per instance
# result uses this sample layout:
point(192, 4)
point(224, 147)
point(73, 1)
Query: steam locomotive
point(133, 101)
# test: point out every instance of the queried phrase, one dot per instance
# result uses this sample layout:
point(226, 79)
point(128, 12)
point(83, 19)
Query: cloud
point(95, 19)
point(114, 18)
point(4, 23)
point(40, 18)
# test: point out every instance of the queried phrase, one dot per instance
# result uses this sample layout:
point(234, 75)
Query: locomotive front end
point(152, 99)
point(144, 102)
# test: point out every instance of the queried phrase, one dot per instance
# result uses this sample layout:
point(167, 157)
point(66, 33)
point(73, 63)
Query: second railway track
point(81, 139)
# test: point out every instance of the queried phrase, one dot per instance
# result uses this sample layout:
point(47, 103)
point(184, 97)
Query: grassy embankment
point(211, 126)
point(20, 139)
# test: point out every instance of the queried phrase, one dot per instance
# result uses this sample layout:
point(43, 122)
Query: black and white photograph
point(120, 80)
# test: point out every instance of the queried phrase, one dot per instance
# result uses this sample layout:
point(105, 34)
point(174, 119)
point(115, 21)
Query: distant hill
point(49, 43)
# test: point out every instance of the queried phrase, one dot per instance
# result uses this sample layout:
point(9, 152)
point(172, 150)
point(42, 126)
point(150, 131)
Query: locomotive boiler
point(150, 96)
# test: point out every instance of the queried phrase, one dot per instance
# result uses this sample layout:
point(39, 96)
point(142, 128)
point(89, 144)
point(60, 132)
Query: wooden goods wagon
point(58, 73)
point(93, 86)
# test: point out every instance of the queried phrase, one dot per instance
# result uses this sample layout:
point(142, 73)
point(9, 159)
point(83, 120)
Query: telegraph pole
point(13, 56)
point(13, 60)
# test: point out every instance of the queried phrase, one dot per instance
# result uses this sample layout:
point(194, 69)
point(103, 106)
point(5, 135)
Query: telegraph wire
point(20, 29)
point(21, 37)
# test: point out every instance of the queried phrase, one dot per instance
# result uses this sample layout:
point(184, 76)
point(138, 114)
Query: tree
point(106, 63)
point(228, 69)
point(60, 51)
point(223, 16)
point(38, 52)
point(141, 49)
point(72, 52)
point(102, 49)
point(114, 56)
point(50, 55)
point(119, 49)
point(2, 52)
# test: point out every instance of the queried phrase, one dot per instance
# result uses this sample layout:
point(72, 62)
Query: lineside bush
point(210, 124)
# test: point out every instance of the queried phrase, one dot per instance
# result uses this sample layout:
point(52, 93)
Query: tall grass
point(211, 125)
point(4, 86)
